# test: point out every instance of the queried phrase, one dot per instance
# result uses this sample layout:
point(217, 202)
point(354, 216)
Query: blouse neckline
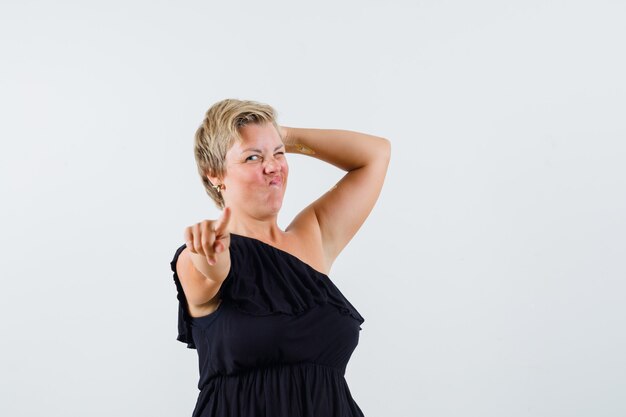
point(281, 251)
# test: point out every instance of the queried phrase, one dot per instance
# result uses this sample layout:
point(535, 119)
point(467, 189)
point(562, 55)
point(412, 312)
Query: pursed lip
point(276, 181)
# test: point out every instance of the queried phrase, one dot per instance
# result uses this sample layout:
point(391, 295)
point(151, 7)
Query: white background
point(491, 273)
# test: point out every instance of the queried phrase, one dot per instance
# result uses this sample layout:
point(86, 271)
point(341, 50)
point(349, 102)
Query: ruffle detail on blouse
point(268, 280)
point(184, 319)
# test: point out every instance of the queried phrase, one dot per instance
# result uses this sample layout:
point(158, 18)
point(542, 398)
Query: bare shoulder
point(304, 240)
point(200, 292)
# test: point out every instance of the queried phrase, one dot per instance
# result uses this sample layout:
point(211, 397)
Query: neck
point(265, 229)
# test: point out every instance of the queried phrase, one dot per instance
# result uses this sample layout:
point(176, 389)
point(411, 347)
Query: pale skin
point(253, 189)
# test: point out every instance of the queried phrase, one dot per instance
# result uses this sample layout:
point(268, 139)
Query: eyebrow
point(258, 150)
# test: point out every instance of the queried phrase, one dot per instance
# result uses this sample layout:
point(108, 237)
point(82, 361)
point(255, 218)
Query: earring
point(218, 187)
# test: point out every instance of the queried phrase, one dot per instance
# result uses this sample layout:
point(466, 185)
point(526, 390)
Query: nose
point(272, 165)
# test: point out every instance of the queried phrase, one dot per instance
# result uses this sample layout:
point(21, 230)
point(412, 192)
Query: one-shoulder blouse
point(278, 343)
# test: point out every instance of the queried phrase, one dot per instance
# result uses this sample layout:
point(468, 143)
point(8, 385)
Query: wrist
point(292, 144)
point(284, 133)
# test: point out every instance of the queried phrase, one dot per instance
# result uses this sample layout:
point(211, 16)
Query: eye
point(252, 156)
point(280, 153)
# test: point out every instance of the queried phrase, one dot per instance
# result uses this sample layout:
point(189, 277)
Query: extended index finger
point(222, 223)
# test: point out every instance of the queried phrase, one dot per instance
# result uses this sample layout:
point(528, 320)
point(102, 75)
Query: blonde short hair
point(218, 132)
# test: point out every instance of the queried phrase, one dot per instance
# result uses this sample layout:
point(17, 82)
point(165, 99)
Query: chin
point(275, 204)
point(275, 207)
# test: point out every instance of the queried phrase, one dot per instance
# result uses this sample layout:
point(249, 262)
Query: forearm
point(347, 150)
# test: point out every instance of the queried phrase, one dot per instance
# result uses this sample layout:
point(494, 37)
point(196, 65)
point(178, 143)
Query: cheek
point(245, 179)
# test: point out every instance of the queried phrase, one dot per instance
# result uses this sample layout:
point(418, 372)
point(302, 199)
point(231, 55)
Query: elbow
point(385, 152)
point(381, 154)
point(378, 154)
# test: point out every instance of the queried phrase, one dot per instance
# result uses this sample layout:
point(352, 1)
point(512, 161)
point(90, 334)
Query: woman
point(272, 331)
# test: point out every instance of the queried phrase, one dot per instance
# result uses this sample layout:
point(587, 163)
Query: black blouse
point(278, 343)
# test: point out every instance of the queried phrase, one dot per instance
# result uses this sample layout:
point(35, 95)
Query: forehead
point(257, 136)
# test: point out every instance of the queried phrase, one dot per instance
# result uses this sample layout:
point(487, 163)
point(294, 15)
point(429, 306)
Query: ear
point(214, 180)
